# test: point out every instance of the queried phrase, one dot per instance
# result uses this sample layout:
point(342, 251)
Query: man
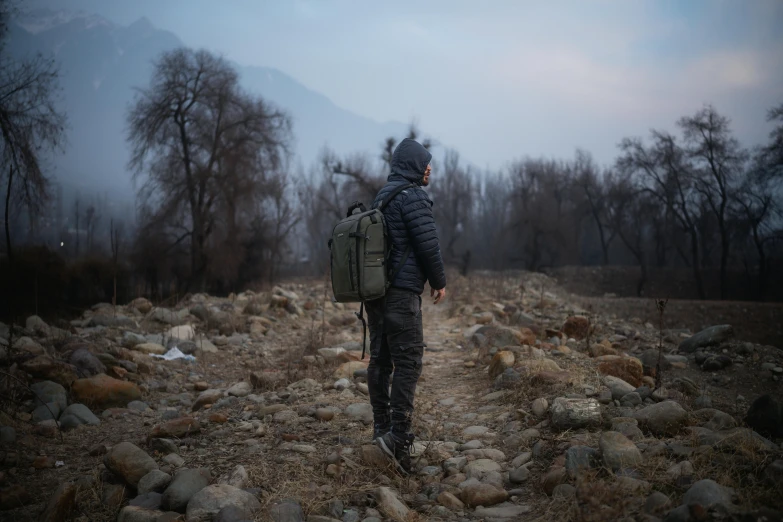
point(396, 331)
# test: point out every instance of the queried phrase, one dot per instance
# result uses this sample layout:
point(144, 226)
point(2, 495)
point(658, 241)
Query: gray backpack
point(359, 253)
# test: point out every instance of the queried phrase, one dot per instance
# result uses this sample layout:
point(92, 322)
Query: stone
point(628, 369)
point(172, 459)
point(185, 484)
point(504, 511)
point(151, 501)
point(576, 326)
point(681, 469)
point(150, 348)
point(138, 406)
point(110, 321)
point(238, 477)
point(44, 367)
point(346, 370)
point(500, 362)
point(287, 511)
point(519, 475)
point(154, 481)
point(765, 416)
point(46, 412)
point(618, 386)
point(702, 401)
point(663, 418)
point(131, 339)
point(240, 389)
point(361, 411)
point(206, 398)
point(48, 391)
point(500, 336)
point(233, 514)
point(553, 478)
point(627, 426)
point(184, 332)
point(83, 414)
point(480, 468)
point(324, 414)
point(631, 399)
point(102, 391)
point(138, 514)
point(129, 462)
point(177, 428)
point(450, 501)
point(331, 354)
point(540, 407)
point(578, 458)
point(708, 493)
point(86, 363)
point(656, 503)
point(390, 504)
point(61, 504)
point(483, 495)
point(650, 360)
point(208, 502)
point(618, 452)
point(712, 336)
point(574, 413)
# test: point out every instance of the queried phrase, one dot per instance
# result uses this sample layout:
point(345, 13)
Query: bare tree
point(453, 195)
point(182, 130)
point(587, 180)
point(30, 124)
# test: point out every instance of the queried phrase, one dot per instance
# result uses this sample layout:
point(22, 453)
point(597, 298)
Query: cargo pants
point(396, 346)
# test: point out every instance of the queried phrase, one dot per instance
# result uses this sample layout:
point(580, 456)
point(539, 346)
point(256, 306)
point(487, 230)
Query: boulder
point(46, 392)
point(628, 369)
point(103, 391)
point(576, 326)
point(129, 462)
point(712, 336)
point(708, 493)
point(765, 416)
point(186, 483)
point(574, 413)
point(86, 363)
point(618, 452)
point(208, 502)
point(663, 418)
point(483, 495)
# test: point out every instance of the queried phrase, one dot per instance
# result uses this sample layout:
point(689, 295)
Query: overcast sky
point(498, 80)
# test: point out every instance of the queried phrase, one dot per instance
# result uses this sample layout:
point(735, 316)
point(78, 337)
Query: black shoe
point(398, 450)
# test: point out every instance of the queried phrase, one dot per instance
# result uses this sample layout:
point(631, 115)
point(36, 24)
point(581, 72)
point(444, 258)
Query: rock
point(154, 481)
point(578, 458)
point(184, 332)
point(360, 411)
point(324, 414)
point(480, 468)
point(130, 339)
point(151, 501)
point(174, 460)
point(599, 349)
point(681, 469)
point(150, 348)
point(233, 514)
point(519, 475)
point(178, 428)
point(390, 504)
point(708, 493)
point(618, 386)
point(628, 369)
point(702, 401)
point(500, 336)
point(765, 416)
point(287, 511)
point(46, 412)
point(331, 354)
point(631, 399)
point(618, 452)
point(86, 363)
point(540, 407)
point(576, 326)
point(574, 413)
point(138, 406)
point(342, 384)
point(240, 389)
point(266, 380)
point(7, 435)
point(649, 359)
point(129, 462)
point(207, 397)
point(483, 495)
point(711, 336)
point(553, 478)
point(139, 514)
point(346, 370)
point(47, 428)
point(48, 391)
point(162, 446)
point(500, 362)
point(450, 501)
point(627, 426)
point(61, 504)
point(237, 477)
point(83, 414)
point(208, 502)
point(374, 456)
point(504, 511)
point(663, 418)
point(185, 484)
point(103, 391)
point(141, 304)
point(656, 503)
point(44, 367)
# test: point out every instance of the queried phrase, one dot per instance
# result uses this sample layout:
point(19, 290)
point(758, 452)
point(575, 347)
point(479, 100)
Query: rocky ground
point(529, 408)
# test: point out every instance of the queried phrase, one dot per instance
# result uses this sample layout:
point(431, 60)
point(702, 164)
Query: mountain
point(101, 63)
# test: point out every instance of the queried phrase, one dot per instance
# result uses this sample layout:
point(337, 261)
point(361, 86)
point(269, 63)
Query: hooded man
point(396, 331)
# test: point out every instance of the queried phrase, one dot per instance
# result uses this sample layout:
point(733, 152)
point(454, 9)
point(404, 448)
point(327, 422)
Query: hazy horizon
point(514, 79)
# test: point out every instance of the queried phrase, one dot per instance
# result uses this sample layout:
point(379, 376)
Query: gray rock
point(679, 514)
point(618, 452)
point(579, 458)
point(237, 477)
point(504, 511)
point(164, 446)
point(649, 360)
point(240, 389)
point(155, 480)
point(519, 475)
point(208, 502)
point(150, 500)
point(361, 411)
point(83, 413)
point(110, 321)
point(711, 336)
point(618, 386)
point(287, 511)
point(129, 462)
point(574, 413)
point(183, 487)
point(708, 493)
point(86, 363)
point(631, 399)
point(69, 422)
point(663, 418)
point(175, 460)
point(390, 505)
point(233, 514)
point(46, 412)
point(48, 391)
point(131, 339)
point(7, 435)
point(627, 426)
point(540, 407)
point(138, 406)
point(656, 503)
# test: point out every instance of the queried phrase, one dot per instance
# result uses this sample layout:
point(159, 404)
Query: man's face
point(426, 180)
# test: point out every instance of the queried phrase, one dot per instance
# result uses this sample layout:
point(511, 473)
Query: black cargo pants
point(396, 345)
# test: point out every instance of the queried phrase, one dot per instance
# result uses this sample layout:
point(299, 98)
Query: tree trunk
point(695, 265)
point(724, 260)
point(7, 207)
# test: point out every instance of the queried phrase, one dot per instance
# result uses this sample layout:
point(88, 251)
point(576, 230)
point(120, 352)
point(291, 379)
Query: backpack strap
point(394, 194)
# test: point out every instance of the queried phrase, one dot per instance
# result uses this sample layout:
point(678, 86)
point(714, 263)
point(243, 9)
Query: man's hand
point(439, 295)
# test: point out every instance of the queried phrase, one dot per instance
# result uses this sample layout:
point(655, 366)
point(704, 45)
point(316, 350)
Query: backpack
point(359, 254)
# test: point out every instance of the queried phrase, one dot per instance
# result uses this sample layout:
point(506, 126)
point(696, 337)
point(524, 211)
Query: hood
point(410, 160)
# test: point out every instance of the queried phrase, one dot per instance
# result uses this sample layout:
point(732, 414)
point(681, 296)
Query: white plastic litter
point(174, 353)
point(59, 464)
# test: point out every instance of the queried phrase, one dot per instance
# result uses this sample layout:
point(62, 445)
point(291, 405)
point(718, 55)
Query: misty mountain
point(101, 63)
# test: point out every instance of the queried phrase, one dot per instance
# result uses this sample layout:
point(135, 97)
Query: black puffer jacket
point(409, 221)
